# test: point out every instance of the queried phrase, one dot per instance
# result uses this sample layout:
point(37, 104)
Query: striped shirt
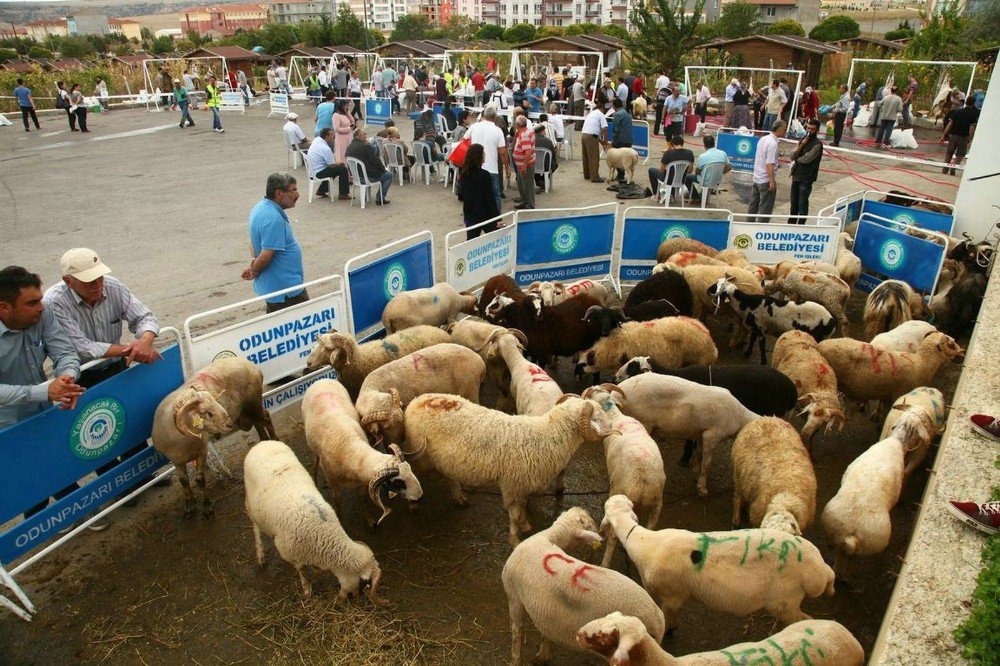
point(93, 330)
point(524, 149)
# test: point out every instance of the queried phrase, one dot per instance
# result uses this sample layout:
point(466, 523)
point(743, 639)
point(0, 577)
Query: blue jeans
point(857, 107)
point(884, 132)
point(386, 181)
point(185, 114)
point(495, 177)
point(769, 118)
point(216, 118)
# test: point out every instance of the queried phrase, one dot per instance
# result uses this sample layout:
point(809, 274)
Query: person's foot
point(26, 129)
point(85, 131)
point(986, 425)
point(343, 197)
point(190, 124)
point(984, 517)
point(384, 202)
point(322, 195)
point(181, 125)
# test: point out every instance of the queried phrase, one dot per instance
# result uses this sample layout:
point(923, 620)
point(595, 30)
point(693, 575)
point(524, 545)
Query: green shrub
point(835, 28)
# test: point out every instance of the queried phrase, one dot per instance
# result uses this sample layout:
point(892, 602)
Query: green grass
point(979, 636)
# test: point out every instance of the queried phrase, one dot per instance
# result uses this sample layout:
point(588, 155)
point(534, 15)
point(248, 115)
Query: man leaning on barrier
point(277, 256)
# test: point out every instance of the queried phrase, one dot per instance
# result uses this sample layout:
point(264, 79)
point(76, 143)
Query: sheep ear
point(805, 399)
point(903, 407)
point(592, 538)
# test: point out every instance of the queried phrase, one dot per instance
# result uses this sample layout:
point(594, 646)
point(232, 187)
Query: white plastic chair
point(424, 159)
point(360, 181)
point(294, 152)
point(314, 181)
point(395, 159)
point(711, 178)
point(569, 129)
point(452, 171)
point(545, 161)
point(674, 180)
point(442, 126)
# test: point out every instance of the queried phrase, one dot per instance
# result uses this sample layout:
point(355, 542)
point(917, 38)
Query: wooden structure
point(236, 57)
point(778, 52)
point(609, 47)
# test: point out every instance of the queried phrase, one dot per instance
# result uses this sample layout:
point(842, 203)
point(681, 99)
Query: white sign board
point(279, 104)
point(232, 101)
point(473, 262)
point(773, 243)
point(293, 392)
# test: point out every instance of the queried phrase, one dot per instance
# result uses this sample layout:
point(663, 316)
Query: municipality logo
point(742, 241)
point(903, 218)
point(225, 353)
point(743, 146)
point(378, 109)
point(97, 428)
point(460, 267)
point(675, 231)
point(892, 254)
point(565, 238)
point(395, 280)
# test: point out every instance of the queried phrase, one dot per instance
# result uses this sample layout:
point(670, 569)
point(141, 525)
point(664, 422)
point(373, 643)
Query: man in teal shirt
point(277, 257)
point(324, 112)
point(712, 155)
point(181, 97)
point(533, 95)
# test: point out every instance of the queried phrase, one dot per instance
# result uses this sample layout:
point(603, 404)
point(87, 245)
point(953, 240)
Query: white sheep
point(905, 338)
point(225, 395)
point(797, 355)
point(739, 572)
point(282, 502)
point(683, 259)
point(334, 435)
point(433, 306)
point(624, 641)
point(553, 293)
point(802, 285)
point(635, 466)
point(927, 400)
point(672, 342)
point(681, 409)
point(477, 446)
point(783, 268)
point(473, 333)
point(857, 518)
point(846, 261)
point(560, 593)
point(671, 246)
point(773, 477)
point(736, 258)
point(621, 158)
point(354, 361)
point(387, 390)
point(533, 390)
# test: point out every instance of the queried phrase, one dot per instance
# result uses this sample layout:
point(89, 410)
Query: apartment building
point(436, 11)
point(297, 11)
point(223, 19)
point(382, 14)
point(559, 13)
point(805, 12)
point(42, 28)
point(126, 27)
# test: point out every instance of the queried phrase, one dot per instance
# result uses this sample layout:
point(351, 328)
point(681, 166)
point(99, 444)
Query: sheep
point(678, 408)
point(624, 641)
point(848, 264)
point(857, 518)
point(635, 467)
point(560, 593)
point(690, 259)
point(478, 446)
point(668, 286)
point(783, 268)
point(951, 273)
point(765, 315)
point(639, 105)
point(773, 477)
point(558, 331)
point(672, 342)
point(533, 390)
point(803, 285)
point(865, 372)
point(671, 246)
point(611, 318)
point(714, 567)
point(700, 278)
point(963, 302)
point(797, 356)
point(621, 158)
point(931, 402)
point(473, 333)
point(553, 293)
point(354, 361)
point(224, 395)
point(905, 338)
point(335, 436)
point(498, 285)
point(760, 389)
point(387, 390)
point(431, 306)
point(889, 305)
point(282, 502)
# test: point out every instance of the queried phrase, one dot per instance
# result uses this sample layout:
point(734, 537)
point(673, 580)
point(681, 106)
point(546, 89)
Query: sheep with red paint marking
point(925, 400)
point(635, 467)
point(889, 305)
point(904, 338)
point(432, 306)
point(812, 286)
point(672, 246)
point(473, 333)
point(796, 354)
point(560, 593)
point(848, 264)
point(553, 293)
point(739, 572)
point(672, 342)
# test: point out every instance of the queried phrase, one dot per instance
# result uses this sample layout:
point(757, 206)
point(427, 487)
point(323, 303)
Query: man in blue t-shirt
point(277, 257)
point(324, 112)
point(534, 96)
point(23, 95)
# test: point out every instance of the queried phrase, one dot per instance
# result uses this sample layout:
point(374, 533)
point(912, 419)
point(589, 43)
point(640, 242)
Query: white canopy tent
point(298, 67)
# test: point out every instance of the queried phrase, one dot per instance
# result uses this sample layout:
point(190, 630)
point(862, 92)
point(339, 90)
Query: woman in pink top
point(343, 126)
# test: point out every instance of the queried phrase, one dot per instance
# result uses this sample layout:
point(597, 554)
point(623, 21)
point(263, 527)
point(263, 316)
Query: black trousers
point(701, 110)
point(338, 171)
point(29, 111)
point(81, 118)
point(799, 201)
point(838, 127)
point(288, 302)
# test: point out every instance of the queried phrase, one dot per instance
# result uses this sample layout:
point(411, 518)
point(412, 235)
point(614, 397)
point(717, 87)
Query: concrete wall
point(977, 195)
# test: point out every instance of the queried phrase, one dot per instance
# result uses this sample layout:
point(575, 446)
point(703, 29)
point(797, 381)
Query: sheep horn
point(489, 341)
point(344, 345)
point(375, 487)
point(397, 452)
point(183, 404)
point(613, 388)
point(375, 417)
point(566, 396)
point(521, 337)
point(396, 402)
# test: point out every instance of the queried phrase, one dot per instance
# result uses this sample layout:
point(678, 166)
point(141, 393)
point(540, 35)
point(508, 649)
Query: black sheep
point(963, 301)
point(611, 318)
point(558, 330)
point(666, 285)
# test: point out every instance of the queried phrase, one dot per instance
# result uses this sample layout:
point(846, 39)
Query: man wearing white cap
point(293, 131)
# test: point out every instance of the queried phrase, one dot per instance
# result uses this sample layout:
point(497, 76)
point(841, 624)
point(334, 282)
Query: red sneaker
point(984, 517)
point(986, 425)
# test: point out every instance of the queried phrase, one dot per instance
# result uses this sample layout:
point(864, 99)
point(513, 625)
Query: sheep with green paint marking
point(433, 306)
point(739, 572)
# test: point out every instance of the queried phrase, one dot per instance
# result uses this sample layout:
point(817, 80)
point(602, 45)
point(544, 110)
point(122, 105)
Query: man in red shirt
point(524, 160)
point(638, 86)
point(478, 84)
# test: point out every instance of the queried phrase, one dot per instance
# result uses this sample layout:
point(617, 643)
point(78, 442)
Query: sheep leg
point(737, 509)
point(189, 503)
point(199, 479)
point(787, 614)
point(669, 608)
point(517, 510)
point(763, 348)
point(307, 588)
point(753, 339)
point(609, 549)
point(264, 426)
point(689, 447)
point(708, 444)
point(258, 542)
point(560, 485)
point(455, 487)
point(517, 616)
point(544, 654)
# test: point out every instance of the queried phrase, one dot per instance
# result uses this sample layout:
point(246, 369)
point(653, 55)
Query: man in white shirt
point(579, 100)
point(765, 171)
point(839, 112)
point(556, 121)
point(731, 89)
point(324, 80)
point(621, 92)
point(293, 131)
point(776, 101)
point(595, 132)
point(701, 97)
point(662, 87)
point(491, 138)
point(281, 76)
point(323, 165)
point(410, 86)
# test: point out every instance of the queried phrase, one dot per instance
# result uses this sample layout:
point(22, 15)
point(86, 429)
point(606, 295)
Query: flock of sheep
point(409, 405)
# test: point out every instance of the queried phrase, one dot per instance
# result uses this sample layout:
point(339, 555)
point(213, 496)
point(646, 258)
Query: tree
point(376, 37)
point(317, 33)
point(348, 29)
point(518, 33)
point(614, 30)
point(146, 34)
point(460, 27)
point(581, 29)
point(7, 54)
point(277, 37)
point(738, 19)
point(436, 33)
point(944, 38)
point(786, 27)
point(902, 31)
point(664, 33)
point(489, 31)
point(835, 28)
point(410, 26)
point(162, 44)
point(39, 52)
point(549, 31)
point(982, 24)
point(75, 46)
